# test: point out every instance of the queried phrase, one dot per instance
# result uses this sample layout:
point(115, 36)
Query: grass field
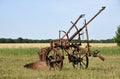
point(12, 60)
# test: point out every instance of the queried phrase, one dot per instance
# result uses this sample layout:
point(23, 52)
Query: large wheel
point(54, 59)
point(82, 59)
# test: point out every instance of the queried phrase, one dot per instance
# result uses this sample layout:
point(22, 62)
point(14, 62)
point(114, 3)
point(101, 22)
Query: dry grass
point(41, 45)
point(24, 45)
point(103, 44)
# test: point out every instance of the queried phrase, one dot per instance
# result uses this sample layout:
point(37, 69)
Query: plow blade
point(41, 65)
point(101, 57)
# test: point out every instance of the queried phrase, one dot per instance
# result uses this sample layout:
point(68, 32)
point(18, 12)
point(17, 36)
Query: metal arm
point(73, 25)
point(85, 24)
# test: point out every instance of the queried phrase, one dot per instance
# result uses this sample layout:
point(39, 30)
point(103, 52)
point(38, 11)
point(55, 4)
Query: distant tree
point(19, 40)
point(2, 40)
point(9, 40)
point(117, 37)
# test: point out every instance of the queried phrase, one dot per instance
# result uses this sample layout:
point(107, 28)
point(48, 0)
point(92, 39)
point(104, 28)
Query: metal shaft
point(85, 24)
point(73, 25)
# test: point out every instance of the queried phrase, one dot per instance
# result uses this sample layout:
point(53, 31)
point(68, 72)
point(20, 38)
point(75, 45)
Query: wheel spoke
point(84, 60)
point(84, 64)
point(81, 65)
point(83, 56)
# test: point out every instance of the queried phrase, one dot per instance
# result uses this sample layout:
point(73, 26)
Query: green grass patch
point(108, 50)
point(18, 51)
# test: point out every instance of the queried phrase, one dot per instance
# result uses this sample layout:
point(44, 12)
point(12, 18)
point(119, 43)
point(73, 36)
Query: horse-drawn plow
point(53, 56)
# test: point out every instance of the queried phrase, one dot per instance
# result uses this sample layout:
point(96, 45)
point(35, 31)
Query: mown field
point(12, 60)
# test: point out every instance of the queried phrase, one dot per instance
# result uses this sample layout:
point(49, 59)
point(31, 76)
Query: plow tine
point(101, 57)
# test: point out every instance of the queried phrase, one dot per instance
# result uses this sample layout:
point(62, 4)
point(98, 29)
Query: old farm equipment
point(53, 56)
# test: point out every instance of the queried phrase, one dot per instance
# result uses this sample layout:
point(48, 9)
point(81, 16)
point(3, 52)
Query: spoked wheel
point(84, 62)
point(54, 59)
point(81, 58)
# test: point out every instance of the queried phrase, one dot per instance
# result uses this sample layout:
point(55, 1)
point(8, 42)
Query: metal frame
point(76, 54)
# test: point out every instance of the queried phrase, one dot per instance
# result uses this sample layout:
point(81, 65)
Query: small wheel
point(82, 58)
point(54, 59)
point(84, 62)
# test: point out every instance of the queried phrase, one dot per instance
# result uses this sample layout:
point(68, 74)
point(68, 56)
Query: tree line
point(22, 40)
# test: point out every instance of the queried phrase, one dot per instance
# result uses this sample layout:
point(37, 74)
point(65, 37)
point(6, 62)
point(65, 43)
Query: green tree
point(117, 37)
point(20, 40)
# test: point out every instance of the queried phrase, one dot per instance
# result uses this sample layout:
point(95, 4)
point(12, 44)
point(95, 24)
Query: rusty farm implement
point(53, 56)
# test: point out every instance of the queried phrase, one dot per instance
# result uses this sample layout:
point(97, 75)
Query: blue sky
point(42, 19)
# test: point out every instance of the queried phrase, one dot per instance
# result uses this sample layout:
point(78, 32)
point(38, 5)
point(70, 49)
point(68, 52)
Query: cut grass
point(12, 61)
point(24, 45)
